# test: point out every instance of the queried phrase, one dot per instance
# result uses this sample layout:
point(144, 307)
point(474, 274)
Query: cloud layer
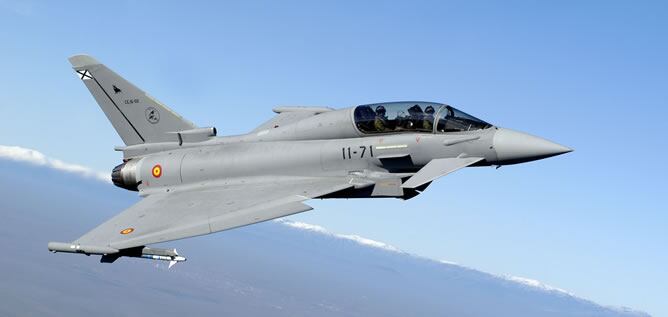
point(35, 157)
point(17, 153)
point(351, 237)
point(387, 247)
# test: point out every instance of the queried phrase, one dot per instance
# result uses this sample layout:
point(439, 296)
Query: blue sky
point(592, 76)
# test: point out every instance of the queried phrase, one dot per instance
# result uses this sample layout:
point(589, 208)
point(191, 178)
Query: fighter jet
point(194, 183)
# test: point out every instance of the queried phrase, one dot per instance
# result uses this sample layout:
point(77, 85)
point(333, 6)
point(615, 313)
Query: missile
point(109, 255)
point(173, 259)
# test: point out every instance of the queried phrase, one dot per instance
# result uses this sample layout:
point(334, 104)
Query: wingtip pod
point(78, 248)
point(82, 60)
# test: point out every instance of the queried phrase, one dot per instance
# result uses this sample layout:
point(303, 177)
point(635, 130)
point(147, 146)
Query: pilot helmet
point(429, 110)
point(380, 110)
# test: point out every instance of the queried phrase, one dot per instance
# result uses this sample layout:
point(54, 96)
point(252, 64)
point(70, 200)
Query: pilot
point(428, 122)
point(415, 116)
point(380, 123)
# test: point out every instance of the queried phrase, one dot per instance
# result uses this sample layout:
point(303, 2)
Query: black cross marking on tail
point(84, 74)
point(116, 89)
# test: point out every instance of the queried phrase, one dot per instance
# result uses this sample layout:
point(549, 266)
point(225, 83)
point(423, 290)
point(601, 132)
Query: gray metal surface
point(192, 211)
point(438, 168)
point(196, 183)
point(136, 116)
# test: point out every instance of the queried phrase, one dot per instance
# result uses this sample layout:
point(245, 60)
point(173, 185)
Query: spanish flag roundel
point(157, 171)
point(127, 230)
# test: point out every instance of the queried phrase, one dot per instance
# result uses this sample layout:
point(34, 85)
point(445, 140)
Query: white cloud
point(20, 154)
point(381, 245)
point(368, 242)
point(535, 284)
point(351, 237)
point(305, 226)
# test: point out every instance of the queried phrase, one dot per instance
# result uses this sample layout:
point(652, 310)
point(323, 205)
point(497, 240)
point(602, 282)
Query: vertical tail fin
point(136, 116)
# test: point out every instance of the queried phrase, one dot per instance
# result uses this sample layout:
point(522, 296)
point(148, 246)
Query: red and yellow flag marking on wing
point(127, 230)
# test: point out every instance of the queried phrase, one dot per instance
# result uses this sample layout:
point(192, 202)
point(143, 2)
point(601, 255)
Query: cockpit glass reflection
point(396, 117)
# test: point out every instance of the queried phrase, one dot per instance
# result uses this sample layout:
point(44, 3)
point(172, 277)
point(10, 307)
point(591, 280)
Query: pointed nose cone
point(514, 147)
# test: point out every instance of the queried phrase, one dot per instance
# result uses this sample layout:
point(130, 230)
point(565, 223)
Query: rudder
point(136, 116)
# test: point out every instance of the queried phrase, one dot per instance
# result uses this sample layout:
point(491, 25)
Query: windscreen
point(453, 120)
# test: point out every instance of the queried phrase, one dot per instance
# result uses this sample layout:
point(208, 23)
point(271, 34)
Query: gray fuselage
point(327, 144)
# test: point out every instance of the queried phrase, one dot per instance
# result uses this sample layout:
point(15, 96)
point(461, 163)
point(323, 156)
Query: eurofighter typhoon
point(195, 183)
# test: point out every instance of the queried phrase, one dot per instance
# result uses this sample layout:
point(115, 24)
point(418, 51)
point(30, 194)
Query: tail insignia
point(84, 74)
point(152, 115)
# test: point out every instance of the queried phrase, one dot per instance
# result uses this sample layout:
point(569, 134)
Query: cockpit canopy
point(394, 117)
